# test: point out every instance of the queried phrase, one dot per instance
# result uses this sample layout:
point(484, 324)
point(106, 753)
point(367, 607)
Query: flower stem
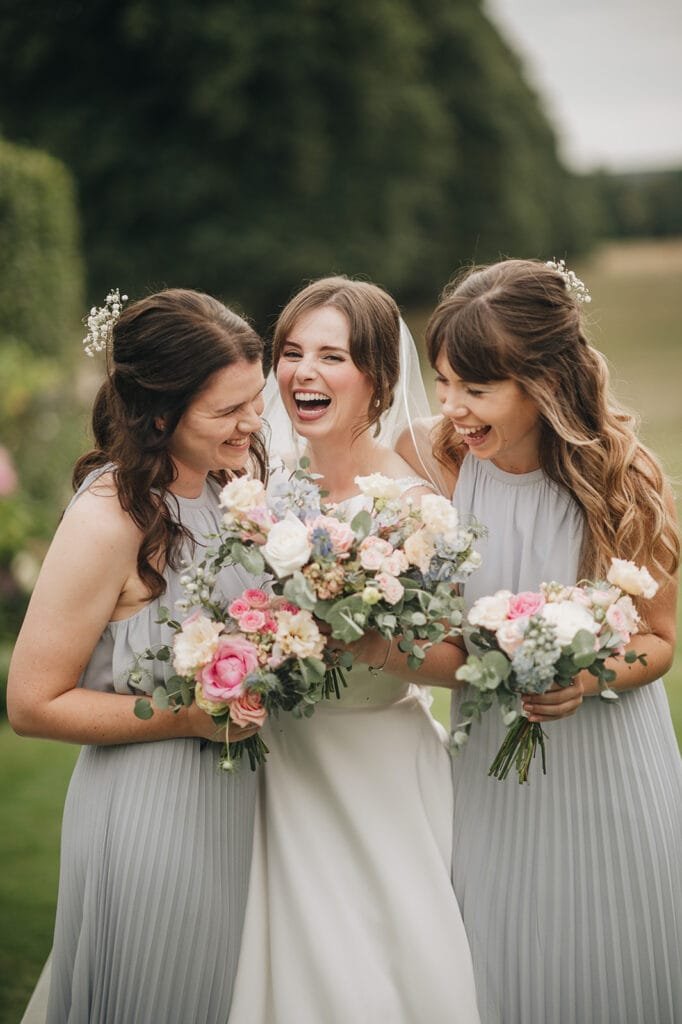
point(518, 749)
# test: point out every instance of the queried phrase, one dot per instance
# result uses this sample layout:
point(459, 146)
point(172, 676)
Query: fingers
point(237, 733)
point(557, 702)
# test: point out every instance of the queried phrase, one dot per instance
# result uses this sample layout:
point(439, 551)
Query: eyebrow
point(323, 348)
point(232, 408)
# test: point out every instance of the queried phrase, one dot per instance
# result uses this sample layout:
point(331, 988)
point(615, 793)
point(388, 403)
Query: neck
point(189, 483)
point(339, 463)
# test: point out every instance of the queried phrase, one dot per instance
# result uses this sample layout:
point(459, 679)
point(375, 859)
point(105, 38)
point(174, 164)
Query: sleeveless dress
point(351, 916)
point(570, 886)
point(156, 847)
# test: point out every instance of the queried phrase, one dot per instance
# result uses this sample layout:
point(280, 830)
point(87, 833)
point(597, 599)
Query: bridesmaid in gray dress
point(570, 886)
point(156, 842)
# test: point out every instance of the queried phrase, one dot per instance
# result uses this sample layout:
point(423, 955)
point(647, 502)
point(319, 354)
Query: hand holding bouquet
point(260, 654)
point(529, 641)
point(392, 568)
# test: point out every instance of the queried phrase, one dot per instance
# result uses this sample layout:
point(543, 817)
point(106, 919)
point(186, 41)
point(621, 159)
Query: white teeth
point(310, 396)
point(468, 431)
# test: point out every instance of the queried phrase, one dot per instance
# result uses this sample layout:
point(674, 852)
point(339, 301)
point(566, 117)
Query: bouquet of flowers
point(258, 655)
point(392, 568)
point(528, 641)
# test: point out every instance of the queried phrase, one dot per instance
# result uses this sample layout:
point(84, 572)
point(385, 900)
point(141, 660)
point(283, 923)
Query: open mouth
point(473, 435)
point(239, 445)
point(311, 404)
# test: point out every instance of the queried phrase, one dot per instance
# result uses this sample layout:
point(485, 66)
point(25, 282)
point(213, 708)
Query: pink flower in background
point(248, 710)
point(238, 607)
point(256, 598)
point(340, 533)
point(252, 620)
point(525, 604)
point(8, 474)
point(223, 678)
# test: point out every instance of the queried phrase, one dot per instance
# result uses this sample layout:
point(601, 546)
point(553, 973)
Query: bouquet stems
point(254, 748)
point(519, 748)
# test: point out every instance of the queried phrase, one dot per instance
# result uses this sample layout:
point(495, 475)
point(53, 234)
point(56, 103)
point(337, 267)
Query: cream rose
point(242, 494)
point(376, 485)
point(419, 550)
point(490, 612)
point(633, 580)
point(195, 645)
point(287, 547)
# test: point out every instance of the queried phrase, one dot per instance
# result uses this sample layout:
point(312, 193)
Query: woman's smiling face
point(323, 391)
point(496, 420)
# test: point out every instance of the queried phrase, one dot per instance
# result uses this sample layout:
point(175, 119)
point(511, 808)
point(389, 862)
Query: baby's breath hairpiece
point(574, 286)
point(100, 322)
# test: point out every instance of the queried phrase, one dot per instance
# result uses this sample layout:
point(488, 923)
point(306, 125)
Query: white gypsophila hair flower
point(633, 579)
point(100, 322)
point(574, 286)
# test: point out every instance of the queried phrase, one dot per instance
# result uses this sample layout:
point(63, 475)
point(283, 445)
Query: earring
point(377, 403)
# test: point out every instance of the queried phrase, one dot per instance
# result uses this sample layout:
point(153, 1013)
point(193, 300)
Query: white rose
point(195, 644)
point(242, 494)
point(631, 579)
point(568, 618)
point(490, 612)
point(391, 588)
point(439, 515)
point(287, 547)
point(378, 486)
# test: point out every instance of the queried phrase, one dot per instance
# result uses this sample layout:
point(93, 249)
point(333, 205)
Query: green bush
point(41, 425)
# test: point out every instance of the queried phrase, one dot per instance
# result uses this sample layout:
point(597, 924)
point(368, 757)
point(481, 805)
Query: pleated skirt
point(156, 848)
point(571, 885)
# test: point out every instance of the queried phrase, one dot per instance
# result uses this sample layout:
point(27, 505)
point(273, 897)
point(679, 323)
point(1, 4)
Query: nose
point(305, 368)
point(250, 420)
point(454, 406)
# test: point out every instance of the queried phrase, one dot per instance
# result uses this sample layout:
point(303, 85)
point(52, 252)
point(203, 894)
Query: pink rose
point(248, 710)
point(238, 607)
point(223, 678)
point(525, 604)
point(340, 534)
point(251, 621)
point(287, 606)
point(619, 622)
point(256, 598)
point(373, 551)
point(390, 587)
point(270, 624)
point(395, 563)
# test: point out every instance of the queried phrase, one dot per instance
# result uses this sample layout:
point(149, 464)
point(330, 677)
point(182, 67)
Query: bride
point(351, 914)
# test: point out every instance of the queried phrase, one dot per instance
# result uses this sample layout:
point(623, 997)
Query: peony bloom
point(439, 515)
point(248, 710)
point(490, 612)
point(568, 618)
point(195, 644)
point(633, 580)
point(223, 678)
point(288, 547)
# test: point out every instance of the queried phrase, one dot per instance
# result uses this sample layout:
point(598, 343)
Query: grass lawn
point(636, 315)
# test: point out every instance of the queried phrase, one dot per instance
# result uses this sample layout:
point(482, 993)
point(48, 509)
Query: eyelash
point(296, 355)
point(472, 392)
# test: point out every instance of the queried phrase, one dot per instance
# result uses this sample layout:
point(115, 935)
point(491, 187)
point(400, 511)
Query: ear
point(160, 423)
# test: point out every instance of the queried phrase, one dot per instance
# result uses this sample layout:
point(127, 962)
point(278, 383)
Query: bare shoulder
point(98, 529)
point(416, 446)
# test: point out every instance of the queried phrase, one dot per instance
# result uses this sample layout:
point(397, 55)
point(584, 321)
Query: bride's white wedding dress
point(351, 915)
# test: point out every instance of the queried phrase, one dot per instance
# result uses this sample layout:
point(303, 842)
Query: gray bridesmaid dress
point(156, 849)
point(570, 886)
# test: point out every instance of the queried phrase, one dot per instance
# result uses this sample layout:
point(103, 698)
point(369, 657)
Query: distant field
point(636, 317)
point(636, 320)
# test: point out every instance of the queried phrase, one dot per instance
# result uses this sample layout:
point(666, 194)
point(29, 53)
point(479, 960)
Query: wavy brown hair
point(515, 320)
point(164, 350)
point(374, 322)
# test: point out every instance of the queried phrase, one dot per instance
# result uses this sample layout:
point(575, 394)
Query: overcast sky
point(609, 72)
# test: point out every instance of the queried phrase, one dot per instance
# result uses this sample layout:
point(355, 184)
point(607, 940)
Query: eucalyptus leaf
point(160, 696)
point(143, 709)
point(249, 557)
point(361, 524)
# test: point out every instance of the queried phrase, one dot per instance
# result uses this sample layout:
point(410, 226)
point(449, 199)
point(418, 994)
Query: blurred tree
point(640, 204)
point(241, 148)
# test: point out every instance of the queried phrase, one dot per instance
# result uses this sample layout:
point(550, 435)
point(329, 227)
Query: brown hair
point(163, 352)
point(515, 320)
point(374, 322)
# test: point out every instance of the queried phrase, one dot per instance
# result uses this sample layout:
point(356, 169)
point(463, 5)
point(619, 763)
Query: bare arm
point(85, 581)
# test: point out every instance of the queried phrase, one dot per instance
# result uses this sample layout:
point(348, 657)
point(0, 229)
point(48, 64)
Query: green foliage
point(41, 291)
point(242, 149)
point(644, 204)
